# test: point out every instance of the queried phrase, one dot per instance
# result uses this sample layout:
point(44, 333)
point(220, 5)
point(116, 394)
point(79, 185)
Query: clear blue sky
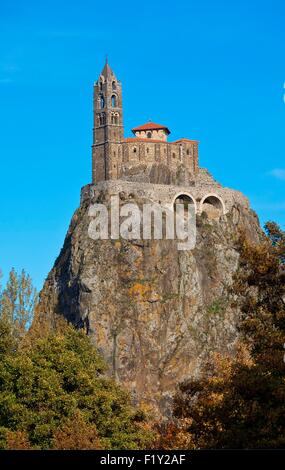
point(209, 70)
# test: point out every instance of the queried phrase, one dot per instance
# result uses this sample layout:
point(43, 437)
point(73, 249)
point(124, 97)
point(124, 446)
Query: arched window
point(102, 119)
point(188, 152)
point(112, 119)
point(134, 150)
point(114, 85)
point(102, 102)
point(114, 101)
point(101, 85)
point(147, 150)
point(149, 135)
point(116, 119)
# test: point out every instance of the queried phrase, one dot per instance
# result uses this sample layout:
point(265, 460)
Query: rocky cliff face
point(156, 313)
point(157, 174)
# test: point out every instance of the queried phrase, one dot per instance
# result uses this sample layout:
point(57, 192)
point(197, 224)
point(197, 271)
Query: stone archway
point(213, 206)
point(184, 198)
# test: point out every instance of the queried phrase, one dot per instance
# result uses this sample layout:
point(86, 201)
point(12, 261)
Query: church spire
point(107, 72)
point(108, 124)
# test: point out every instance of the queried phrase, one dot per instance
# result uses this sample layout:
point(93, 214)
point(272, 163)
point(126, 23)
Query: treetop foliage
point(58, 385)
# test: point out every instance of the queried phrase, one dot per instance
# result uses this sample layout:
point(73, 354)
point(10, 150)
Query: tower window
point(147, 150)
point(102, 119)
point(114, 101)
point(113, 85)
point(188, 152)
point(173, 155)
point(102, 102)
point(149, 135)
point(134, 150)
point(101, 85)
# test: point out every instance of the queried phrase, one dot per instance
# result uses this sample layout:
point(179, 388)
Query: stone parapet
point(203, 188)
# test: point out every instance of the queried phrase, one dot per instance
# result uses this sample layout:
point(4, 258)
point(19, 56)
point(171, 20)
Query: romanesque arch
point(113, 101)
point(184, 198)
point(212, 205)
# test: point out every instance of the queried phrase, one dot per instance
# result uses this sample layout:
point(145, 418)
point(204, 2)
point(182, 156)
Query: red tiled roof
point(144, 139)
point(141, 139)
point(184, 140)
point(150, 126)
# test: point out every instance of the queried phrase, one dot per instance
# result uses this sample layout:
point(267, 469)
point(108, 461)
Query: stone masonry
point(147, 163)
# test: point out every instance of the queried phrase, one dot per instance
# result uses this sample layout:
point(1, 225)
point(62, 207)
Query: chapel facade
point(148, 156)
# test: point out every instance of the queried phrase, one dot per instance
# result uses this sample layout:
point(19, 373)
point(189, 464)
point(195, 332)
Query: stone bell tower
point(108, 131)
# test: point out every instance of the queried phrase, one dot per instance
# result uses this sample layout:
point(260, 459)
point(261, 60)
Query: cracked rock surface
point(155, 313)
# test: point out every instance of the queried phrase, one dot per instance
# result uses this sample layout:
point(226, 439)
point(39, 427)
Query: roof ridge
point(150, 126)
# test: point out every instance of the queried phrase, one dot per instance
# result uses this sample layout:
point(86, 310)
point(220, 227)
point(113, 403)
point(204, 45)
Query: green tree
point(18, 301)
point(7, 340)
point(58, 380)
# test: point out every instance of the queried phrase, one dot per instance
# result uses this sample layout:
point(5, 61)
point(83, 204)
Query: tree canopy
point(54, 394)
